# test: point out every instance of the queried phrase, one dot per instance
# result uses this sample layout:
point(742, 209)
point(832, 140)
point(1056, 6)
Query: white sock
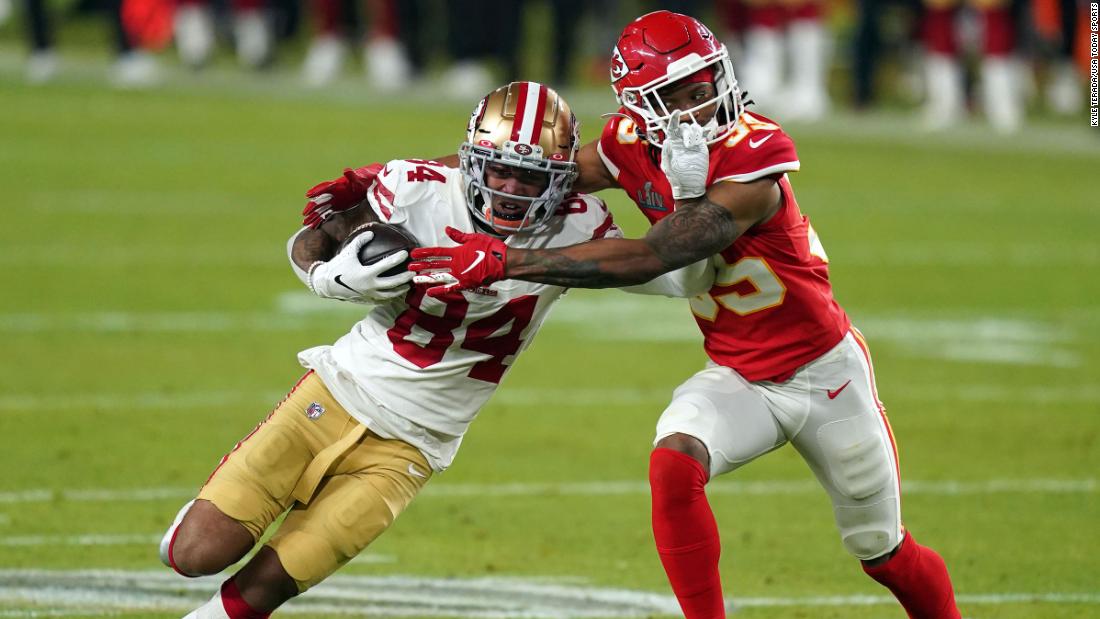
point(808, 48)
point(763, 67)
point(194, 31)
point(255, 38)
point(943, 91)
point(1001, 94)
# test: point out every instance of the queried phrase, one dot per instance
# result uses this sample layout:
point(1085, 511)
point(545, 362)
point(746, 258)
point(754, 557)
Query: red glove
point(337, 196)
point(477, 261)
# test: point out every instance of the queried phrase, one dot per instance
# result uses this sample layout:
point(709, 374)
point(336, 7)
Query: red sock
point(939, 31)
point(329, 16)
point(686, 534)
point(917, 576)
point(247, 5)
point(999, 33)
point(807, 10)
point(767, 16)
point(234, 604)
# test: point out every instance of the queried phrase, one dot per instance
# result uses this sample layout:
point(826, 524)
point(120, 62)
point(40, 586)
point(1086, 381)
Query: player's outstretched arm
point(592, 173)
point(686, 282)
point(698, 229)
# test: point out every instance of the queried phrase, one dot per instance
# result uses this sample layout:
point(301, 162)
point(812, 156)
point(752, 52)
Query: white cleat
point(255, 38)
point(214, 608)
point(944, 105)
point(466, 80)
point(388, 67)
point(193, 27)
point(135, 69)
point(324, 60)
point(41, 67)
point(166, 541)
point(1065, 92)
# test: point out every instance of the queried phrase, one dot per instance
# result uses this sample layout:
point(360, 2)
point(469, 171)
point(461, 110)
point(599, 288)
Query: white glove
point(685, 158)
point(344, 278)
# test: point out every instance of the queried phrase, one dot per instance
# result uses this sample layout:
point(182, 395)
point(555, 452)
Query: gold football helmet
point(523, 125)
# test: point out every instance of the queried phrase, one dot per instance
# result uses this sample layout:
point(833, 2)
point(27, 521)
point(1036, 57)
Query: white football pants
point(829, 411)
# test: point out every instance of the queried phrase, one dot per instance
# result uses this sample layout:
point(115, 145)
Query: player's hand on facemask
point(477, 261)
point(338, 195)
point(345, 279)
point(685, 158)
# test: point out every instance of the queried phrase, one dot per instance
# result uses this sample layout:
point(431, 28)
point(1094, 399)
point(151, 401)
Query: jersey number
point(482, 335)
point(746, 125)
point(765, 289)
point(424, 173)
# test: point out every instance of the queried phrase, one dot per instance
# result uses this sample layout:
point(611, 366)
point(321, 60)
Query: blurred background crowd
point(998, 60)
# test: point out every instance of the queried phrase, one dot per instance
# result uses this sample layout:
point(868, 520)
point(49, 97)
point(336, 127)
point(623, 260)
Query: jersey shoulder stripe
point(405, 184)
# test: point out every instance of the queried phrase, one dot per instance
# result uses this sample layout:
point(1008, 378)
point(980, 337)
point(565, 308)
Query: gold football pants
point(343, 484)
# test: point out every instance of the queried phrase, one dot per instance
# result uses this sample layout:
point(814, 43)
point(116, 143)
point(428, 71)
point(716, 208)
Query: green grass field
point(149, 320)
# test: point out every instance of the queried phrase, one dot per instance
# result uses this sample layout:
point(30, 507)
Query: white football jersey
point(419, 369)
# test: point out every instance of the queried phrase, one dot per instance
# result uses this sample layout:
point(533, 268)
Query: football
point(388, 240)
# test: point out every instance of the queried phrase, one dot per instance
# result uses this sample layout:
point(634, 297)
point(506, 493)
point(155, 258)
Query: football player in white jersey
point(386, 406)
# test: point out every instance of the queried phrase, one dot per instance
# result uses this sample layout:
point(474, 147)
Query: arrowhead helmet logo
point(618, 65)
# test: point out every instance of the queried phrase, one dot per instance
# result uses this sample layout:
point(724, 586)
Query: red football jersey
point(771, 309)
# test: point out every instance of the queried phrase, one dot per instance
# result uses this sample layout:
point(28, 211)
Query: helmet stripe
point(530, 108)
point(521, 104)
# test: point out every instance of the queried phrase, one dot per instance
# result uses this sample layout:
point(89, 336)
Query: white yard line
point(80, 540)
point(589, 488)
point(979, 338)
point(94, 592)
point(39, 403)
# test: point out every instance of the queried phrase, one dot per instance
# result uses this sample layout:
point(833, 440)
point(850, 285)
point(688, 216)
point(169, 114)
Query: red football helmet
point(659, 49)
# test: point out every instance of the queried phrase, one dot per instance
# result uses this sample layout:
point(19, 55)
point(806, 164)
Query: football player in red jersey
point(785, 364)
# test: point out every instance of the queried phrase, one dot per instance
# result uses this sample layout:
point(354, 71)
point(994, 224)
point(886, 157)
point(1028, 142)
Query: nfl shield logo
point(315, 410)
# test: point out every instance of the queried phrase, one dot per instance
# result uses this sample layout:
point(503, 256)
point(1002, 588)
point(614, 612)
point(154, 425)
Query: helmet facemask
point(474, 161)
point(646, 104)
point(531, 130)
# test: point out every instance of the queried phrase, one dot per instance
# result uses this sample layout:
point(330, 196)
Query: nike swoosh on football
point(833, 394)
point(756, 144)
point(338, 281)
point(416, 473)
point(480, 257)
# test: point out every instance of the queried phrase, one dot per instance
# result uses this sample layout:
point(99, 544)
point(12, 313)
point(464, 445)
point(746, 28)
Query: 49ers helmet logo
point(523, 149)
point(618, 65)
